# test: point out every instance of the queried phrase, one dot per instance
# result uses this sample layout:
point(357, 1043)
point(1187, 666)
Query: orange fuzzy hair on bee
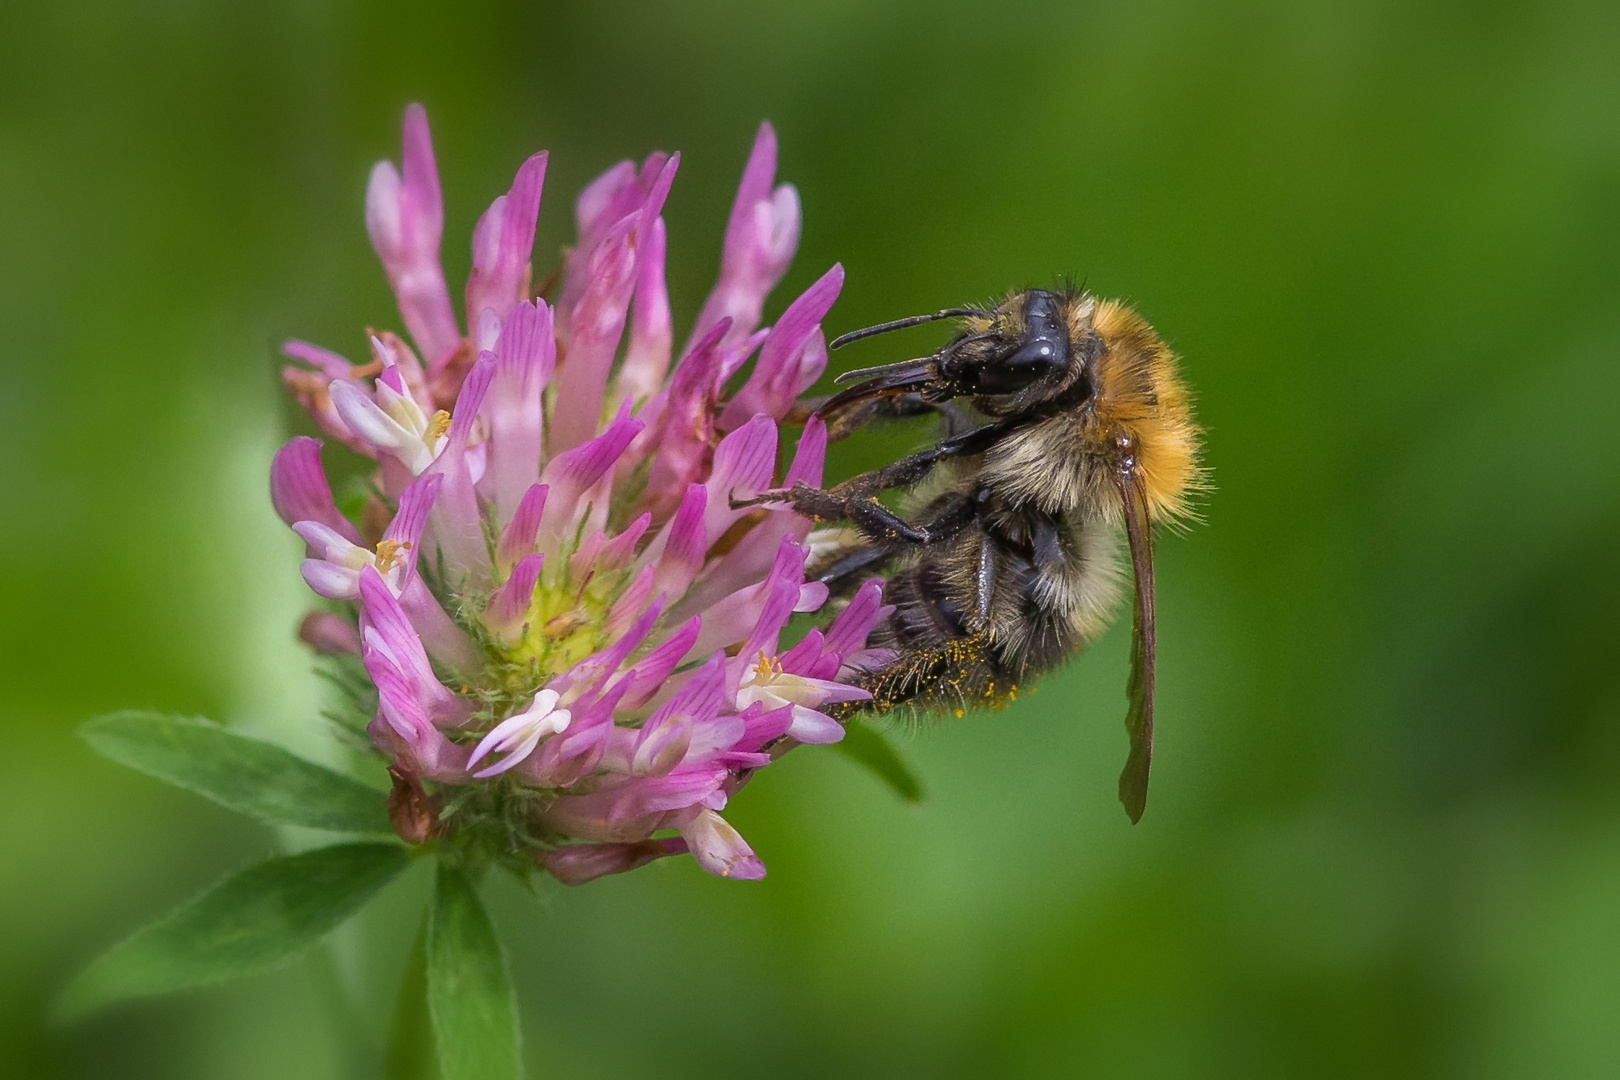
point(1139, 390)
point(1132, 401)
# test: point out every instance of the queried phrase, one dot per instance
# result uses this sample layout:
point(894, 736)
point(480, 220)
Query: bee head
point(1033, 349)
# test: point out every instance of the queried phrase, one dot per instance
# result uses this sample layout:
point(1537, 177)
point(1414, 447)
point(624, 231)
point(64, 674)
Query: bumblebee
point(1066, 425)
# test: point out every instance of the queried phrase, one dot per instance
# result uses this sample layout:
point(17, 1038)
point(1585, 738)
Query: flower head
point(569, 630)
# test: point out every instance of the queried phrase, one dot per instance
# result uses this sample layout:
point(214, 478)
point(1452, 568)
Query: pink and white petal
point(329, 634)
point(743, 464)
point(814, 728)
point(519, 536)
point(646, 361)
point(595, 326)
point(654, 669)
point(325, 361)
point(330, 580)
point(617, 553)
point(849, 630)
point(502, 243)
point(508, 607)
point(787, 364)
point(572, 474)
point(405, 217)
point(456, 523)
point(513, 407)
point(575, 864)
point(720, 849)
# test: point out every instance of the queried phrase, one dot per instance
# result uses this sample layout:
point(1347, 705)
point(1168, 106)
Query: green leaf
point(869, 747)
point(408, 1054)
point(469, 994)
point(251, 922)
point(247, 775)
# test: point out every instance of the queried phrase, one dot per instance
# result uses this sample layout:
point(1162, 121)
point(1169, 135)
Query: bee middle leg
point(856, 499)
point(944, 518)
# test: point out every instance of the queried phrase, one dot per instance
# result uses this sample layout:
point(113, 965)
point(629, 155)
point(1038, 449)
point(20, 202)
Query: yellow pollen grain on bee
point(389, 553)
point(438, 424)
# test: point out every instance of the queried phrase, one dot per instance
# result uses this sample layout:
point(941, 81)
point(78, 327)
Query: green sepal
point(873, 750)
point(248, 775)
point(469, 994)
point(253, 921)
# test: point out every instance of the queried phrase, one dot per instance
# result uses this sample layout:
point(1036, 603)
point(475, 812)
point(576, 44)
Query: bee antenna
point(879, 372)
point(901, 324)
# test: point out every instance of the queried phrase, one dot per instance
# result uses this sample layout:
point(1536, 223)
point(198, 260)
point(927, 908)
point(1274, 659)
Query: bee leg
point(847, 565)
point(846, 421)
point(856, 499)
point(984, 580)
point(947, 517)
point(858, 506)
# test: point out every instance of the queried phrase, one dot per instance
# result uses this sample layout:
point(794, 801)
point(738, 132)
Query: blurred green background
point(1385, 829)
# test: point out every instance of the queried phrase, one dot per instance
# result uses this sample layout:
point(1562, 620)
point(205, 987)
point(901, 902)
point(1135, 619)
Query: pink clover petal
point(330, 580)
point(758, 612)
point(405, 531)
point(329, 634)
point(595, 326)
point(809, 455)
point(646, 361)
point(518, 735)
point(787, 363)
point(456, 528)
point(513, 407)
point(713, 739)
point(720, 849)
point(572, 474)
point(386, 627)
point(652, 670)
point(814, 728)
point(628, 607)
point(509, 605)
point(502, 241)
point(445, 641)
point(743, 464)
point(575, 864)
point(680, 550)
point(431, 756)
point(686, 419)
point(661, 747)
point(299, 491)
point(761, 236)
point(405, 217)
point(570, 756)
point(519, 536)
point(618, 552)
point(859, 618)
point(325, 361)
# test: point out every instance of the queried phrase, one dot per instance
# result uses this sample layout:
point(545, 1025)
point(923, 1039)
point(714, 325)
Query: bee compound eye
point(1020, 368)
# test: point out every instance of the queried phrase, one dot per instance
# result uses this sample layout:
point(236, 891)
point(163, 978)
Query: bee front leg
point(861, 509)
point(846, 421)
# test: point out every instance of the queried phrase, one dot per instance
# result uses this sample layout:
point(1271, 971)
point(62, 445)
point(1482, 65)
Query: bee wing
point(1133, 782)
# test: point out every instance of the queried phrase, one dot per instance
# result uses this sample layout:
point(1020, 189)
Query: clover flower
point(574, 640)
